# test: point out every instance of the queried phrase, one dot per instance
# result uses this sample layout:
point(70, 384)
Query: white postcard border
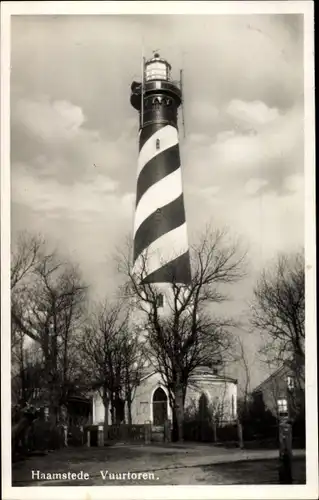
point(158, 492)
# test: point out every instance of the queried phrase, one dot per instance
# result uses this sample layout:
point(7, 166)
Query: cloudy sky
point(74, 135)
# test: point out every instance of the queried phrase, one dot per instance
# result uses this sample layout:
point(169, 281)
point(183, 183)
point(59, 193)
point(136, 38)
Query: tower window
point(160, 300)
point(158, 143)
point(157, 101)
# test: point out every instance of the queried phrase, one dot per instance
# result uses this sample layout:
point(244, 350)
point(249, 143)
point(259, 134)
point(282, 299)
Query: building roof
point(205, 370)
point(200, 371)
point(282, 370)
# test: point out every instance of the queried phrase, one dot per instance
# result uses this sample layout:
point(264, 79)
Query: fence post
point(82, 434)
point(65, 435)
point(88, 438)
point(147, 431)
point(167, 431)
point(100, 435)
point(285, 452)
point(240, 435)
point(215, 431)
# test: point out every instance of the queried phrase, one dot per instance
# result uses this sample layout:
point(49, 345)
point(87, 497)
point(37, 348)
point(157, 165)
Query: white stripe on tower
point(160, 233)
point(157, 196)
point(167, 137)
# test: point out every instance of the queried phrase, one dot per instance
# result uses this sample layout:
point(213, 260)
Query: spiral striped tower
point(160, 231)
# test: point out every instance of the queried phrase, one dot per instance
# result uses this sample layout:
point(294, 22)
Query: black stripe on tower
point(159, 223)
point(175, 271)
point(156, 169)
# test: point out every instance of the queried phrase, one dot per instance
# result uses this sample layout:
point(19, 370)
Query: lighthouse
point(161, 258)
point(160, 232)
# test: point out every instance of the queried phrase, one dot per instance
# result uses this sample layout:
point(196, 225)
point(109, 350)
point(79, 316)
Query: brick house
point(280, 385)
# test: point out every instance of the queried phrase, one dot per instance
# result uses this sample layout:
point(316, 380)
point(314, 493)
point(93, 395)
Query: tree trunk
point(129, 412)
point(119, 410)
point(179, 406)
point(106, 403)
point(106, 418)
point(175, 427)
point(240, 434)
point(113, 412)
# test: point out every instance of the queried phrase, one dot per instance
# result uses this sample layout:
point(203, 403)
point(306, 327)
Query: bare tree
point(24, 257)
point(26, 372)
point(279, 311)
point(113, 357)
point(243, 362)
point(47, 306)
point(133, 361)
point(190, 333)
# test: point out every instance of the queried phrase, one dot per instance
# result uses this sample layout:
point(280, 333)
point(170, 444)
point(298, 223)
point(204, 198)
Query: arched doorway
point(159, 407)
point(205, 427)
point(203, 407)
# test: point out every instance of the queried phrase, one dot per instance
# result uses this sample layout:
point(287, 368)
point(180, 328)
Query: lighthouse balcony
point(137, 86)
point(170, 88)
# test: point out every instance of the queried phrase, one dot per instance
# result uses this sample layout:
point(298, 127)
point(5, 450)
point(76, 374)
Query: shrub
point(258, 422)
point(45, 436)
point(75, 436)
point(227, 432)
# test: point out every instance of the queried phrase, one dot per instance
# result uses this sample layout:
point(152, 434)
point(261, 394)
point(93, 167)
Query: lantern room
point(157, 69)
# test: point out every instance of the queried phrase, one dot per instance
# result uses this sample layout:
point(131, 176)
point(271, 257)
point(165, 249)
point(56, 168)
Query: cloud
point(91, 198)
point(224, 136)
point(268, 222)
point(51, 121)
point(233, 156)
point(252, 113)
point(294, 183)
point(280, 138)
point(211, 190)
point(75, 135)
point(254, 185)
point(52, 138)
point(201, 112)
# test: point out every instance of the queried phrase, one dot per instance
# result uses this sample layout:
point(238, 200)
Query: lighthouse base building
point(151, 401)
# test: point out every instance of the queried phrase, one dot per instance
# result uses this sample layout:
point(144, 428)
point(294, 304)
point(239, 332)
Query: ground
point(165, 465)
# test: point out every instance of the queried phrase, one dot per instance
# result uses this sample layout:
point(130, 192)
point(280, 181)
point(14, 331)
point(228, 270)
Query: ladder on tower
point(182, 102)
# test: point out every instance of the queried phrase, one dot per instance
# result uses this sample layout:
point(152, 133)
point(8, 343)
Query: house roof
point(282, 370)
point(148, 374)
point(197, 373)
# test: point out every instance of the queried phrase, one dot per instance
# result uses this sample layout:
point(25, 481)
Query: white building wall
point(217, 390)
point(98, 410)
point(142, 408)
point(220, 394)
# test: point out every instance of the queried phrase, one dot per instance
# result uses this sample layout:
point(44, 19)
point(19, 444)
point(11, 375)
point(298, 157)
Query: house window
point(160, 300)
point(290, 383)
point(282, 406)
point(157, 143)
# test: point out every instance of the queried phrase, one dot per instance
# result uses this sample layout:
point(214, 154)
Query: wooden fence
point(126, 432)
point(209, 431)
